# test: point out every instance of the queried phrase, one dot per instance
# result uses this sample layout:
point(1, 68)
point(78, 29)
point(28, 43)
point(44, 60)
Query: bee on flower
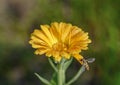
point(60, 40)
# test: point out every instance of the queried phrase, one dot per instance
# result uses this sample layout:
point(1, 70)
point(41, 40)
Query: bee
point(86, 61)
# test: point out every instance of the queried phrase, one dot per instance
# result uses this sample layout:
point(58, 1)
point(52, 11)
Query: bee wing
point(90, 60)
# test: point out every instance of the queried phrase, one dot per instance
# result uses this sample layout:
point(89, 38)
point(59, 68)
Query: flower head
point(60, 40)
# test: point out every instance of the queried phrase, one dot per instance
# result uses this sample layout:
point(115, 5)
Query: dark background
point(18, 19)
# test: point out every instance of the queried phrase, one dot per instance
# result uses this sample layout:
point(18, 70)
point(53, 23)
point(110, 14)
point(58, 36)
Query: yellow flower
point(60, 40)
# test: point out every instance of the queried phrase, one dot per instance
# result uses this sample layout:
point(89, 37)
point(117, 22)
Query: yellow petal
point(66, 55)
point(41, 51)
point(41, 36)
point(66, 32)
point(79, 58)
point(46, 31)
point(58, 58)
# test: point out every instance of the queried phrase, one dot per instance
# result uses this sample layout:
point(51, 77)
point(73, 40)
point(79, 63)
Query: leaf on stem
point(43, 79)
point(81, 70)
point(67, 64)
point(52, 64)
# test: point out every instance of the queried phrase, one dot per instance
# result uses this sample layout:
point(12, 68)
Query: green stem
point(60, 82)
point(63, 76)
point(81, 70)
point(61, 73)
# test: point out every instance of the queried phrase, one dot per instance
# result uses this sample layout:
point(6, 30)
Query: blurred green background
point(18, 18)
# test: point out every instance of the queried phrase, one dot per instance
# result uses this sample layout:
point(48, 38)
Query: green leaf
point(81, 70)
point(67, 64)
point(54, 79)
point(52, 64)
point(43, 79)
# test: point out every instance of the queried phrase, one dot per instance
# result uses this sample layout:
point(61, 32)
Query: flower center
point(59, 46)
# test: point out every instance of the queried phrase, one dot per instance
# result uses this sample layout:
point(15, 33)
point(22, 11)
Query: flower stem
point(60, 82)
point(81, 70)
point(61, 73)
